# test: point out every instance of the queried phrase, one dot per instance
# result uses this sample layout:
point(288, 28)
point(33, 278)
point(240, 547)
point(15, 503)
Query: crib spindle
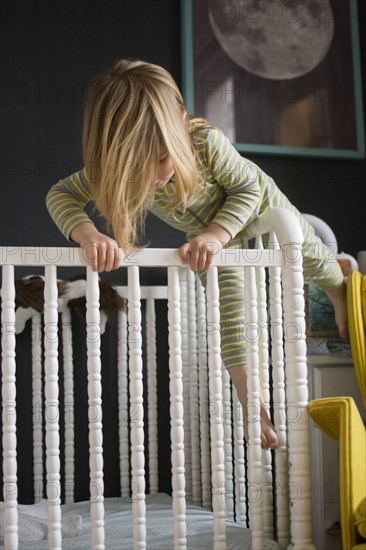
point(186, 368)
point(37, 401)
point(136, 411)
point(215, 400)
point(208, 437)
point(124, 455)
point(239, 461)
point(52, 407)
point(194, 388)
point(152, 395)
point(253, 410)
point(267, 477)
point(68, 406)
point(10, 488)
point(203, 396)
point(279, 404)
point(95, 411)
point(228, 447)
point(176, 409)
point(297, 399)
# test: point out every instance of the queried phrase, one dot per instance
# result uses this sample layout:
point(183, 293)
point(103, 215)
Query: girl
point(142, 152)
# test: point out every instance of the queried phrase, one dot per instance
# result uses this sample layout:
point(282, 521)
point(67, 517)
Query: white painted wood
point(95, 411)
point(136, 409)
point(152, 395)
point(194, 389)
point(297, 394)
point(279, 399)
point(123, 405)
point(215, 397)
point(254, 428)
point(149, 294)
point(228, 443)
point(287, 229)
point(176, 410)
point(153, 292)
point(147, 257)
point(8, 366)
point(186, 368)
point(52, 408)
point(203, 396)
point(239, 468)
point(37, 404)
point(267, 477)
point(68, 365)
point(290, 237)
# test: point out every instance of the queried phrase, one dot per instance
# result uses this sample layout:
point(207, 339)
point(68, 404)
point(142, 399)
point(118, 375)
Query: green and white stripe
point(236, 192)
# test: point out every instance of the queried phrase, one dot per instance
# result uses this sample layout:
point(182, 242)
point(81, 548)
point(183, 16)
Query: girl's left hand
point(199, 252)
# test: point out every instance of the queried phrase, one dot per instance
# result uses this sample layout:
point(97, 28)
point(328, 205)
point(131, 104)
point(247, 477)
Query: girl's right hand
point(101, 251)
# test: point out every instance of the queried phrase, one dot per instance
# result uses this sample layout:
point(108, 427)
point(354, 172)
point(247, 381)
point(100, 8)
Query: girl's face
point(164, 171)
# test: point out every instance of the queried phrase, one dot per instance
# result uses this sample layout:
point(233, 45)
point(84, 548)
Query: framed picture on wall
point(278, 76)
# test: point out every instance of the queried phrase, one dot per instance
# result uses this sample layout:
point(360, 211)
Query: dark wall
point(51, 50)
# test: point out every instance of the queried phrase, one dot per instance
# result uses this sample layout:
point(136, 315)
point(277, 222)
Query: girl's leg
point(269, 438)
point(338, 297)
point(233, 343)
point(321, 267)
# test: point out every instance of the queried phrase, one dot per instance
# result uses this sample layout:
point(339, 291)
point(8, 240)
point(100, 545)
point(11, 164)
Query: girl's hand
point(199, 252)
point(101, 251)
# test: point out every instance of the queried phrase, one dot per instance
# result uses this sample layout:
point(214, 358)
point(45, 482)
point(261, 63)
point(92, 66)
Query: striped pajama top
point(236, 191)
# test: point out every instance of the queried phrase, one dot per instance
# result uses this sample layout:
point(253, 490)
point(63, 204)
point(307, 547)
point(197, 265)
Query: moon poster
point(277, 76)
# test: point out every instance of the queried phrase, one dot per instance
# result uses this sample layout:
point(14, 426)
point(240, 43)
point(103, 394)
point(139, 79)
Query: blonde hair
point(134, 113)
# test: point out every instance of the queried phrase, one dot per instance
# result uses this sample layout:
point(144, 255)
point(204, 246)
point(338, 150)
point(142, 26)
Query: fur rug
point(29, 299)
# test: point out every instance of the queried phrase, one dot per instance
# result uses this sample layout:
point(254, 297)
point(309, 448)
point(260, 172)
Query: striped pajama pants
point(319, 266)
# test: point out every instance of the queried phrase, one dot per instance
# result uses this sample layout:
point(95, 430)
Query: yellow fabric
point(339, 418)
point(356, 305)
point(363, 300)
point(360, 518)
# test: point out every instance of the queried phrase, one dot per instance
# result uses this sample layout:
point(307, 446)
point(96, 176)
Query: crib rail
point(27, 256)
point(283, 261)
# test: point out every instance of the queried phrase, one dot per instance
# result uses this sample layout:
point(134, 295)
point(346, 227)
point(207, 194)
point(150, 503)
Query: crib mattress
point(159, 524)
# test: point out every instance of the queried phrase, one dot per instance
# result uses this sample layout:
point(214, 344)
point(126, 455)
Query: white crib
point(213, 473)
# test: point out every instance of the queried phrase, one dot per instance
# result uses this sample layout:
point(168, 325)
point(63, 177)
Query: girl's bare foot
point(338, 297)
point(269, 438)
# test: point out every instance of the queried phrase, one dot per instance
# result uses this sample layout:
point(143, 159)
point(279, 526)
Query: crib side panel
point(9, 440)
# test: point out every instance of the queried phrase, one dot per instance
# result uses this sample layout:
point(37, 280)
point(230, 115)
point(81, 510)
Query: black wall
point(49, 52)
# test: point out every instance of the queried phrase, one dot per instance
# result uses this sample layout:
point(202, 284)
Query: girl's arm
point(101, 251)
point(241, 179)
point(66, 201)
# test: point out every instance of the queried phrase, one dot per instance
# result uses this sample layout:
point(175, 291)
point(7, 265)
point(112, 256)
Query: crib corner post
point(299, 487)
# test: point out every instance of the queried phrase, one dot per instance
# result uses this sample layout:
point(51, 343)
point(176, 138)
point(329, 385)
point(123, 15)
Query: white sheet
point(159, 521)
